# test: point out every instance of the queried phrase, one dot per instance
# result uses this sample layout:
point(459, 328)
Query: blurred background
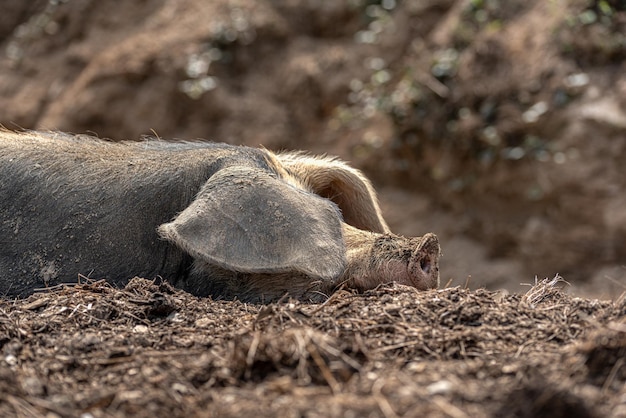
point(499, 125)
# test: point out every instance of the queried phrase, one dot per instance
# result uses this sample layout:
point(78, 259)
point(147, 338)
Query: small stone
point(441, 387)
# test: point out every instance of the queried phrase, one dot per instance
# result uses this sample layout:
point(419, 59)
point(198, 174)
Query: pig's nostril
point(425, 265)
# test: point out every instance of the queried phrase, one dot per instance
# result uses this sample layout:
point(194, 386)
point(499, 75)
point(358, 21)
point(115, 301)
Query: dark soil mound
point(149, 350)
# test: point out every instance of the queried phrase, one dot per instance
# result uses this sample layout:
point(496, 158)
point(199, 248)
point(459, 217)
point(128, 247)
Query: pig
point(213, 219)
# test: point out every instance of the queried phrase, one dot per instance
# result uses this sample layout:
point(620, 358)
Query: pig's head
point(374, 255)
point(304, 226)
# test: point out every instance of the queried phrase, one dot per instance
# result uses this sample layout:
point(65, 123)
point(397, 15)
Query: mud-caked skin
point(213, 219)
point(410, 261)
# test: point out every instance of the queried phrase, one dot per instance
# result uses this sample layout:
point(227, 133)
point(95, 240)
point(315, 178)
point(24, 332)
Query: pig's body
point(210, 218)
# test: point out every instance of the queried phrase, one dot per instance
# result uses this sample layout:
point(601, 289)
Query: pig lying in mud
point(213, 219)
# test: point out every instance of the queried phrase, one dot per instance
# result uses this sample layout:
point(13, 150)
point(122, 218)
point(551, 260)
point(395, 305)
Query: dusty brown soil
point(148, 350)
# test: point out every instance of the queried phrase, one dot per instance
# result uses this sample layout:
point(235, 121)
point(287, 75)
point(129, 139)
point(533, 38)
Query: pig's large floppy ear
point(244, 219)
point(347, 187)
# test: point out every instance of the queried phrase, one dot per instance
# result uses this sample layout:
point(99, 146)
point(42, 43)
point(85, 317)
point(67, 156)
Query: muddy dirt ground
point(150, 351)
point(498, 125)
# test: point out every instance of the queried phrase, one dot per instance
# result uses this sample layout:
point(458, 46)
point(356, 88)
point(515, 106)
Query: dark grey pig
point(213, 219)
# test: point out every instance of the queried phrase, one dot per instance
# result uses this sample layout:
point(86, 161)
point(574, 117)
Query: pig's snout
point(374, 259)
point(423, 266)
